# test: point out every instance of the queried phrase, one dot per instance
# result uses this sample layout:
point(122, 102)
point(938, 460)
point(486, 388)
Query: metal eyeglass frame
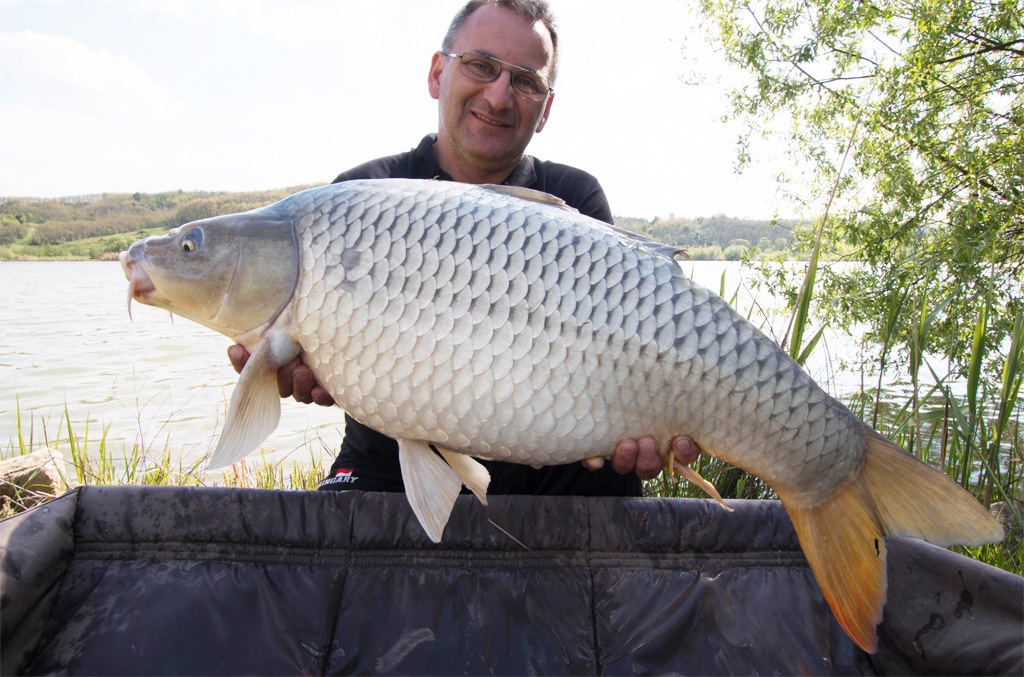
point(512, 68)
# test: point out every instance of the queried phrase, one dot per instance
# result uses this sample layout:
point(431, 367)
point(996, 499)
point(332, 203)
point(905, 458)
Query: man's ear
point(547, 111)
point(434, 76)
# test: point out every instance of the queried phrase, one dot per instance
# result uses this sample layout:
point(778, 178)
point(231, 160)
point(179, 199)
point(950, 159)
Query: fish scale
point(515, 329)
point(598, 279)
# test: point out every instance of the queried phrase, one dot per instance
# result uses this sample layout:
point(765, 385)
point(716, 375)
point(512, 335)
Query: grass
point(83, 249)
point(91, 461)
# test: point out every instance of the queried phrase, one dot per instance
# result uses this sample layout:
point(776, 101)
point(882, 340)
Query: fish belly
point(525, 332)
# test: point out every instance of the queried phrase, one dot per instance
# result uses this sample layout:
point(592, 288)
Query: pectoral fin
point(255, 406)
point(430, 484)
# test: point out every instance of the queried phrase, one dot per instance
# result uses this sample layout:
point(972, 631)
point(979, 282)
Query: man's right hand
point(294, 379)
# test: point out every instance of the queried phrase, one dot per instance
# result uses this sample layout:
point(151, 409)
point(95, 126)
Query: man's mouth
point(495, 122)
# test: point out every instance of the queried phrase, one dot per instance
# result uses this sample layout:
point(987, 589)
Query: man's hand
point(293, 379)
point(641, 455)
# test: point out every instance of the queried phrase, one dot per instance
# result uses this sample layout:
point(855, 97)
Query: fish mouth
point(140, 286)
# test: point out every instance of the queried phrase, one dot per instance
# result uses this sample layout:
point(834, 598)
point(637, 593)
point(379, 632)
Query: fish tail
point(894, 494)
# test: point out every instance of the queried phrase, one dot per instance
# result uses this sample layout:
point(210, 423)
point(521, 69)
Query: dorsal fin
point(529, 194)
point(671, 251)
point(546, 198)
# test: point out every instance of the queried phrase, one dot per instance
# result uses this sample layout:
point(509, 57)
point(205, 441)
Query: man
point(493, 82)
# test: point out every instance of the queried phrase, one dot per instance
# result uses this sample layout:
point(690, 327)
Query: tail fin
point(895, 494)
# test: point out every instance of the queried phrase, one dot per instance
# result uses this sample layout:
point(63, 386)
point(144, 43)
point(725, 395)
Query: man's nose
point(499, 92)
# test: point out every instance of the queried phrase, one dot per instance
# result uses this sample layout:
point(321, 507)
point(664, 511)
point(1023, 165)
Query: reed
point(91, 461)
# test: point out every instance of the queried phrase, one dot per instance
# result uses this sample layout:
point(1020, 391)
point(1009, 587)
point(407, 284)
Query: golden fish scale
point(456, 315)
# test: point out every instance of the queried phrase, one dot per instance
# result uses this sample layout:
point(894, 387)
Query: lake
point(67, 340)
point(164, 383)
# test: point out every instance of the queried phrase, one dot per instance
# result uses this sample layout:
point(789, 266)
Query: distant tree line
point(715, 237)
point(91, 226)
point(39, 222)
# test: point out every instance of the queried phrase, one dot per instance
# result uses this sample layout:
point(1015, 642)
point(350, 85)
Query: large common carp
point(494, 323)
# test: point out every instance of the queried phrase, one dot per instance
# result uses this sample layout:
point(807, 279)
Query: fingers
point(303, 383)
point(295, 379)
point(321, 396)
point(238, 356)
point(648, 462)
point(624, 458)
point(286, 383)
point(685, 450)
point(641, 456)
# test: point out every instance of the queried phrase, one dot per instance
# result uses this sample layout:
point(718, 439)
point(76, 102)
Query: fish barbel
point(493, 322)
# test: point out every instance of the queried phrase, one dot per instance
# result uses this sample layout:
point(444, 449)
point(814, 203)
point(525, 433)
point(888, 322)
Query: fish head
point(234, 274)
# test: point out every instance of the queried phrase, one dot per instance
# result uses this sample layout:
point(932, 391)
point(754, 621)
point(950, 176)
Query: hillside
point(98, 226)
point(89, 226)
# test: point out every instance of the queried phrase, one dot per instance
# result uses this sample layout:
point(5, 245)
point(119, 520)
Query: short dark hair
point(531, 10)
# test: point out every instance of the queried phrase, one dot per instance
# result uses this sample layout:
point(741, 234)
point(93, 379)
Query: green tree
point(11, 230)
point(907, 120)
point(910, 114)
point(734, 252)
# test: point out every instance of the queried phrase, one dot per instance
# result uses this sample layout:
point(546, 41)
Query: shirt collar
point(525, 173)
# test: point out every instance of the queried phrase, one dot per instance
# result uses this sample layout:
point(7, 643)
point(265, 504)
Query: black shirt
point(368, 460)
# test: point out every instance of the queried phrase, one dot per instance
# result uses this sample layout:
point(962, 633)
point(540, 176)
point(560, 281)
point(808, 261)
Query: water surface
point(66, 340)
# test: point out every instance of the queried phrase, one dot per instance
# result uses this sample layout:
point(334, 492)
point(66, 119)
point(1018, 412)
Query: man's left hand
point(641, 455)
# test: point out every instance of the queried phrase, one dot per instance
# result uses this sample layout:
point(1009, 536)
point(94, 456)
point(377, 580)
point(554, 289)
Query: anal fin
point(673, 467)
point(694, 477)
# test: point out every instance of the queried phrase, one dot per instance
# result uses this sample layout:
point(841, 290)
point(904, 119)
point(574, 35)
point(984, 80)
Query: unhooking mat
point(137, 580)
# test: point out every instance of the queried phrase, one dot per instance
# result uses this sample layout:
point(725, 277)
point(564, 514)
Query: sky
point(124, 96)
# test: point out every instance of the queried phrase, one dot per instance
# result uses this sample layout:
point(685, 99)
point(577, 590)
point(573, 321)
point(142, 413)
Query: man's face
point(484, 127)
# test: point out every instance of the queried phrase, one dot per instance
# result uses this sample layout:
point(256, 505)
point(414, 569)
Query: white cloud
point(284, 23)
point(74, 115)
point(184, 10)
point(58, 72)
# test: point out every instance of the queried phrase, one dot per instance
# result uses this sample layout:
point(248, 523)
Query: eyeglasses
point(487, 69)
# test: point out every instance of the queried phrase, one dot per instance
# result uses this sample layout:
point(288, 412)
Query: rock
point(33, 478)
point(1002, 512)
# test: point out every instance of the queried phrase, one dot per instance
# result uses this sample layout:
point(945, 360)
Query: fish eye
point(191, 241)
